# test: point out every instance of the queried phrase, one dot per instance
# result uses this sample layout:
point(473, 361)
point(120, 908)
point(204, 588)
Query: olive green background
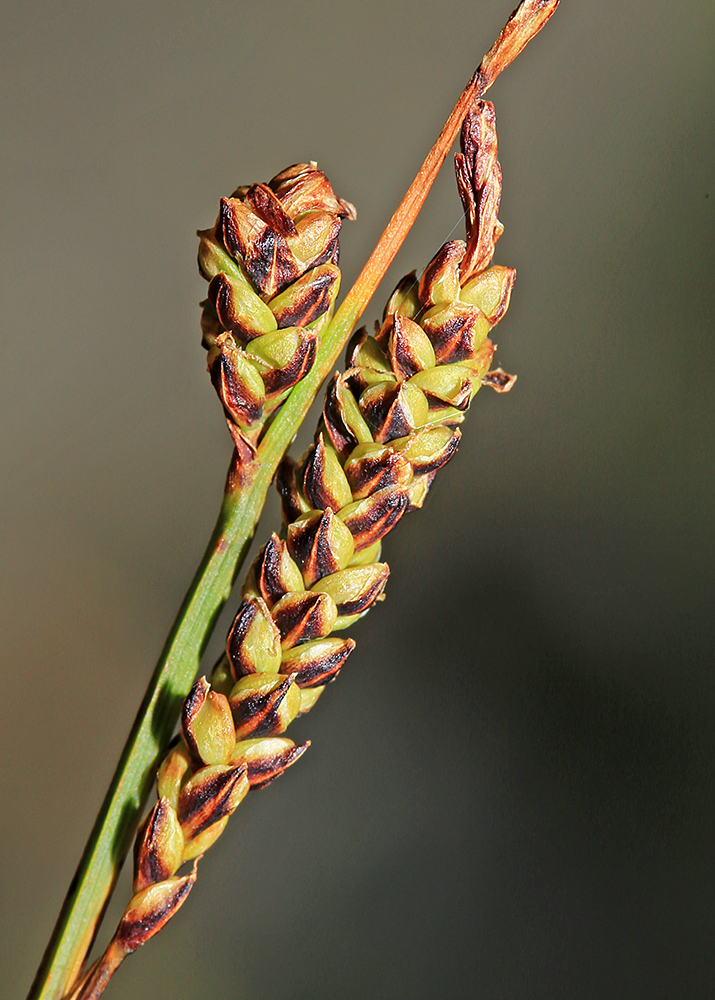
point(510, 789)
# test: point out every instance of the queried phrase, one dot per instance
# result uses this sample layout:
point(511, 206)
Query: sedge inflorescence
point(390, 421)
point(271, 260)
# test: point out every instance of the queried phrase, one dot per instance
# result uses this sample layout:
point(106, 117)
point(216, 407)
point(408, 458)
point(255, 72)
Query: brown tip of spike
point(499, 380)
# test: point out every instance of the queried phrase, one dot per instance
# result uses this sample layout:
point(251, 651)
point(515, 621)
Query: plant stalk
point(241, 507)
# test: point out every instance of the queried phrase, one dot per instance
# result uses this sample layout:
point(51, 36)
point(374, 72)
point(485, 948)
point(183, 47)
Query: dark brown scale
point(133, 933)
point(404, 360)
point(220, 294)
point(210, 326)
point(367, 597)
point(330, 254)
point(382, 335)
point(356, 341)
point(309, 543)
point(202, 805)
point(240, 405)
point(269, 570)
point(270, 264)
point(447, 257)
point(193, 704)
point(402, 288)
point(376, 516)
point(302, 618)
point(479, 185)
point(258, 714)
point(371, 473)
point(291, 507)
point(436, 462)
point(361, 378)
point(249, 610)
point(340, 434)
point(267, 207)
point(315, 299)
point(245, 616)
point(429, 479)
point(453, 339)
point(499, 380)
point(303, 188)
point(277, 380)
point(228, 229)
point(385, 412)
point(321, 668)
point(148, 865)
point(460, 401)
point(316, 484)
point(263, 771)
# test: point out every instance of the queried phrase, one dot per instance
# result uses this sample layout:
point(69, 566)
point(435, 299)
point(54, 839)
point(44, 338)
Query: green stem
point(152, 729)
point(242, 503)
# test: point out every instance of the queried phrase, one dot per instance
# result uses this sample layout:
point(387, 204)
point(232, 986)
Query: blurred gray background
point(509, 792)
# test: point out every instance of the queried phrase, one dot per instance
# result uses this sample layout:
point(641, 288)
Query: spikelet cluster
point(271, 260)
point(390, 421)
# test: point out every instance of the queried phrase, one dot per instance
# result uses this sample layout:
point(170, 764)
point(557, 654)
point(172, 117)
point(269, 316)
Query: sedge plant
point(390, 421)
